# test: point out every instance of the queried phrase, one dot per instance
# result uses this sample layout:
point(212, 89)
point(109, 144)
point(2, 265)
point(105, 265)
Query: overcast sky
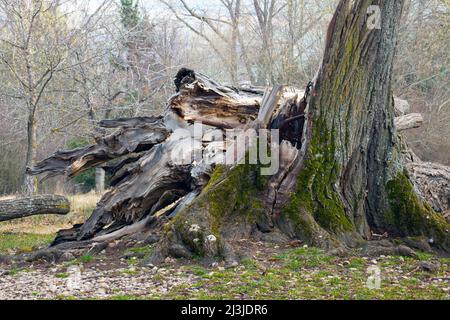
point(157, 5)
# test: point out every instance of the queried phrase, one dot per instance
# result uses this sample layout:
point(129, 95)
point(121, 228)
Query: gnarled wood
point(432, 180)
point(148, 176)
point(201, 99)
point(135, 135)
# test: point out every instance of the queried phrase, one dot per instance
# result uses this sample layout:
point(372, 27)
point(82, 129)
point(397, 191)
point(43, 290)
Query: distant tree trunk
point(31, 181)
point(99, 180)
point(30, 206)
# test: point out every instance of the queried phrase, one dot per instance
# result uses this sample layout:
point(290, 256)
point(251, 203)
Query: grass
point(81, 208)
point(301, 273)
point(22, 235)
point(86, 258)
point(62, 275)
point(23, 242)
point(309, 273)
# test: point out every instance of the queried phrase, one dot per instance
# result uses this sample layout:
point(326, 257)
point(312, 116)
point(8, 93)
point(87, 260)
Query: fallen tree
point(29, 206)
point(343, 174)
point(409, 121)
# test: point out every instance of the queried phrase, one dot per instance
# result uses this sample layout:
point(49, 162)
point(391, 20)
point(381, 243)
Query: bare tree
point(210, 27)
point(36, 45)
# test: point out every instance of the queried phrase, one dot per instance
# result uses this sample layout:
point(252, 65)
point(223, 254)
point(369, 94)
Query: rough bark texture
point(353, 173)
point(342, 178)
point(30, 206)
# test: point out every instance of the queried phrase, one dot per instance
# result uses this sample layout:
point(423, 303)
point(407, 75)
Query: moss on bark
point(231, 203)
point(315, 192)
point(408, 215)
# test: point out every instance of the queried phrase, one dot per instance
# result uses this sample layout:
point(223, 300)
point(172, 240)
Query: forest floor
point(270, 271)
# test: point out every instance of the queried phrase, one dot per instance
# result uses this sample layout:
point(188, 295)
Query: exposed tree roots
point(202, 206)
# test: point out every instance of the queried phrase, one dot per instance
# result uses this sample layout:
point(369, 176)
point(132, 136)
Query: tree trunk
point(31, 181)
point(99, 180)
point(352, 181)
point(341, 176)
point(30, 206)
point(348, 180)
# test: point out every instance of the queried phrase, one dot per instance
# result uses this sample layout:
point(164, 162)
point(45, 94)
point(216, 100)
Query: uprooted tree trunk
point(342, 173)
point(29, 206)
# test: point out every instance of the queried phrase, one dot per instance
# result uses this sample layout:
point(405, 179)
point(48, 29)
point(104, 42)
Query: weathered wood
point(409, 121)
point(147, 176)
point(135, 196)
point(135, 135)
point(201, 99)
point(433, 182)
point(401, 106)
point(30, 206)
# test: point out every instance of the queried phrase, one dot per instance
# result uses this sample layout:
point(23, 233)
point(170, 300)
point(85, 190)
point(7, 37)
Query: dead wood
point(154, 177)
point(409, 121)
point(30, 206)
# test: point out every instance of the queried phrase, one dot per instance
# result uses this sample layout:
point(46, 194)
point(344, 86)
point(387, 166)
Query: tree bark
point(348, 181)
point(31, 181)
point(30, 206)
point(342, 172)
point(352, 181)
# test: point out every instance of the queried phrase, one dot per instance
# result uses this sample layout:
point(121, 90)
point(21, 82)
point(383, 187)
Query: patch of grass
point(14, 271)
point(127, 297)
point(81, 207)
point(198, 271)
point(26, 234)
point(62, 275)
point(144, 250)
point(357, 263)
point(130, 272)
point(62, 297)
point(23, 242)
point(86, 258)
point(310, 273)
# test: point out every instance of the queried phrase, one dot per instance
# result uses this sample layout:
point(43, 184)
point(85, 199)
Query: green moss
point(65, 206)
point(235, 192)
point(315, 192)
point(409, 216)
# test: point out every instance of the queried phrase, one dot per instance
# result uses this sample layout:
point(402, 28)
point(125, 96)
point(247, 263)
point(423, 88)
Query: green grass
point(14, 271)
point(127, 297)
point(310, 273)
point(23, 242)
point(86, 258)
point(145, 251)
point(301, 273)
point(62, 275)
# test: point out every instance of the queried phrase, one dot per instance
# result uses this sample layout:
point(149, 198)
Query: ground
point(269, 271)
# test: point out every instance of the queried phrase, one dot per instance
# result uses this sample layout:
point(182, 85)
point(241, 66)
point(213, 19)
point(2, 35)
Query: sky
point(157, 5)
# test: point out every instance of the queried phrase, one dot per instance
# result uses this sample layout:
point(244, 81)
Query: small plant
point(86, 258)
point(62, 275)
